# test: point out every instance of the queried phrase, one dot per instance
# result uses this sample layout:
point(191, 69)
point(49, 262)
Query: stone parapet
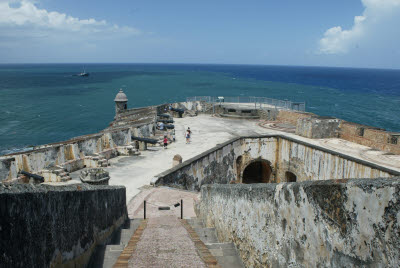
point(57, 226)
point(370, 136)
point(90, 151)
point(226, 163)
point(334, 223)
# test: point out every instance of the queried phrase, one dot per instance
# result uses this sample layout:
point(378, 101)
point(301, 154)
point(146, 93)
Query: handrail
point(259, 102)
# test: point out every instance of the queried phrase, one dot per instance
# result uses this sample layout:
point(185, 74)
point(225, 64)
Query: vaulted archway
point(258, 171)
point(290, 177)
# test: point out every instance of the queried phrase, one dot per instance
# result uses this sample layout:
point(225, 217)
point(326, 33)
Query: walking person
point(165, 142)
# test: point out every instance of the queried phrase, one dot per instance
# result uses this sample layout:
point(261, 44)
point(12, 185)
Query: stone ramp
point(105, 256)
point(226, 254)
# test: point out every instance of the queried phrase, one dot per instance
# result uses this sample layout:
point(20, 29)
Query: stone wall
point(53, 226)
point(347, 223)
point(318, 127)
point(371, 137)
point(268, 114)
point(135, 116)
point(213, 166)
point(70, 155)
point(291, 117)
point(310, 162)
point(226, 163)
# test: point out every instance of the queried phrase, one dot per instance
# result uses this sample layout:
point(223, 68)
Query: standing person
point(165, 142)
point(188, 135)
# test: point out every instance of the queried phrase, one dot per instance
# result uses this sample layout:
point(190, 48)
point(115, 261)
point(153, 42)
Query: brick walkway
point(165, 243)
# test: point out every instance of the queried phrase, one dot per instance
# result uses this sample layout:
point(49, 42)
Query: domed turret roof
point(121, 96)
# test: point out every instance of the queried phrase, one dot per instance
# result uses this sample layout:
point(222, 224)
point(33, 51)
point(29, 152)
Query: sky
point(342, 33)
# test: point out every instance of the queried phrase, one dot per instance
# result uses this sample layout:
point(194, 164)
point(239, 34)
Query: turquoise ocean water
point(46, 103)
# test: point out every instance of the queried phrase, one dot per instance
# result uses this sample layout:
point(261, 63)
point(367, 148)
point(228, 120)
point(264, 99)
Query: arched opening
point(290, 177)
point(257, 172)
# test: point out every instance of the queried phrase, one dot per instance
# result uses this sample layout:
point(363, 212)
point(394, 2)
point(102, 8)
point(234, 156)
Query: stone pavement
point(162, 196)
point(163, 239)
point(165, 243)
point(207, 131)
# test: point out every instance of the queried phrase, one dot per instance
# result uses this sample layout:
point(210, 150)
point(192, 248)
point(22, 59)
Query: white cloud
point(25, 14)
point(377, 23)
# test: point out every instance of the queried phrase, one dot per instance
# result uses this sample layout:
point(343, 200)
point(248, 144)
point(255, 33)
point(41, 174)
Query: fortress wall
point(269, 114)
point(371, 137)
point(70, 154)
point(308, 162)
point(213, 166)
point(318, 127)
point(53, 226)
point(291, 117)
point(347, 223)
point(137, 113)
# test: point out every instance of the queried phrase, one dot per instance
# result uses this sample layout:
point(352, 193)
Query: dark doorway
point(257, 172)
point(290, 177)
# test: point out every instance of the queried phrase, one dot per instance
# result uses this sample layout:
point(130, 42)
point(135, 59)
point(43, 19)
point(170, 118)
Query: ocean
point(44, 103)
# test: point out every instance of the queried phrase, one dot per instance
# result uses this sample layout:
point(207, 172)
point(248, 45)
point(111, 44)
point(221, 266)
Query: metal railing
point(258, 102)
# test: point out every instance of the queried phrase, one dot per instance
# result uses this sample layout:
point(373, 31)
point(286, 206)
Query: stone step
point(194, 226)
point(230, 262)
point(226, 254)
point(207, 235)
point(220, 245)
point(105, 256)
point(195, 221)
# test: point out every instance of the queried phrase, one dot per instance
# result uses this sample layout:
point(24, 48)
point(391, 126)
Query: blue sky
point(348, 33)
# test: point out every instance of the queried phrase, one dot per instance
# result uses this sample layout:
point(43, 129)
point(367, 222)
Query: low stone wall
point(371, 137)
point(291, 117)
point(347, 223)
point(212, 166)
point(318, 127)
point(225, 163)
point(268, 114)
point(53, 226)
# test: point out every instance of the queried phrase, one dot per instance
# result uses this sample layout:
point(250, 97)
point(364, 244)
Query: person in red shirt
point(165, 142)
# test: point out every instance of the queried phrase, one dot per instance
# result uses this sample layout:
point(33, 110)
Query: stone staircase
point(225, 253)
point(105, 256)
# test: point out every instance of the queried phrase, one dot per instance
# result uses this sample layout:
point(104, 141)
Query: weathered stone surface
point(370, 136)
point(318, 127)
point(176, 160)
point(212, 166)
point(345, 223)
point(226, 163)
point(43, 226)
point(70, 154)
point(95, 176)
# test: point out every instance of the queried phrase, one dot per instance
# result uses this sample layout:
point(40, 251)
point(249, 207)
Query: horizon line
point(178, 63)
